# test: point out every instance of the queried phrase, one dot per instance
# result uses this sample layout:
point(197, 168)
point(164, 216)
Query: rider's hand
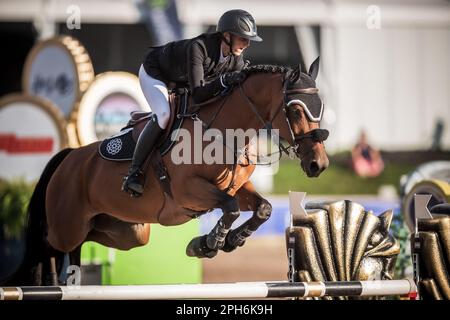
point(233, 78)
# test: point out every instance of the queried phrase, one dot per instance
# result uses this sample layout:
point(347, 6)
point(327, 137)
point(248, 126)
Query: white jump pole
point(212, 291)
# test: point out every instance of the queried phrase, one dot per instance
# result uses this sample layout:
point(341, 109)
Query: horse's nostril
point(314, 167)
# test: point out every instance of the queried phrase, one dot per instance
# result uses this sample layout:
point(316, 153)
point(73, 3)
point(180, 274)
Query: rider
point(209, 64)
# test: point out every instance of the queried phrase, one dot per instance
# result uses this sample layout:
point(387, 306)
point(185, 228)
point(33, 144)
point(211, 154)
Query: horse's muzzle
point(314, 167)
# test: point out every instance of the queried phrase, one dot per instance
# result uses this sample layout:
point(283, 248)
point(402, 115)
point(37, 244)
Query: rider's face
point(239, 44)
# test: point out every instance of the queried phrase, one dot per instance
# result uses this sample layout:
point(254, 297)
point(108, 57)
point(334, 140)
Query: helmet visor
point(246, 36)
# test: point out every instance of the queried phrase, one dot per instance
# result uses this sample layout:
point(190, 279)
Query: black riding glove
point(232, 78)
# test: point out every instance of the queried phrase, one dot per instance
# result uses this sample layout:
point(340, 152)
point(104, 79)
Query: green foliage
point(14, 199)
point(158, 4)
point(401, 232)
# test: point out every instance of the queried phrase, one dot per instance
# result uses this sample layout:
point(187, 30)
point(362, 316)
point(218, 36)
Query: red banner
point(12, 144)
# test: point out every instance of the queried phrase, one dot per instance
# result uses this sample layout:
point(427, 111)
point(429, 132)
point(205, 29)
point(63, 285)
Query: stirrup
point(134, 174)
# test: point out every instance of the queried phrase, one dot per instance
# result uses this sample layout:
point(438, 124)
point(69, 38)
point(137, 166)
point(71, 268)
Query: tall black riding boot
point(144, 146)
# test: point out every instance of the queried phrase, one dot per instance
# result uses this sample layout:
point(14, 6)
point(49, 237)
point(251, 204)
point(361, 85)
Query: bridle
point(316, 135)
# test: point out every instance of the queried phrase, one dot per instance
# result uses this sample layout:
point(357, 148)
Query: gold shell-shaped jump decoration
point(340, 241)
point(434, 258)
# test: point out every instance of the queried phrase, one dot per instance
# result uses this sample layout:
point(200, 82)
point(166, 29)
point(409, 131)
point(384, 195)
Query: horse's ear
point(314, 69)
point(295, 74)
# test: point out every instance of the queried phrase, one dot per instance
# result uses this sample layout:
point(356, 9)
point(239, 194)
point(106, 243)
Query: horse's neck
point(265, 92)
point(237, 113)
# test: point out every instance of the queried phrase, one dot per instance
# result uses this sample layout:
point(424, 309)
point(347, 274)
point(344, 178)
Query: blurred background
point(384, 78)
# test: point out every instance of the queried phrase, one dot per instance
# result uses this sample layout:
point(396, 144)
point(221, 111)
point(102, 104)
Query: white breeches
point(156, 93)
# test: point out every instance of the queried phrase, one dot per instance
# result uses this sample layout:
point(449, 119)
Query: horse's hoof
point(198, 248)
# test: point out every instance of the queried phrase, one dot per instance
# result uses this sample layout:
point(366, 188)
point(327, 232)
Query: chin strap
point(229, 43)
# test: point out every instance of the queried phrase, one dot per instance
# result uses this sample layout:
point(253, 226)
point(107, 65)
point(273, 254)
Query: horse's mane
point(300, 80)
point(265, 68)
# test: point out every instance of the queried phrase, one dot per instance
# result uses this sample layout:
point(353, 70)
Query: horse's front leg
point(249, 199)
point(204, 195)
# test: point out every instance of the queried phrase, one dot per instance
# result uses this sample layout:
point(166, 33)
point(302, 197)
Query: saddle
point(120, 147)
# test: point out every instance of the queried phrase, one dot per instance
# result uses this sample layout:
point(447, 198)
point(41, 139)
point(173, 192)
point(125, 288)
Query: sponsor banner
point(32, 130)
point(161, 19)
point(106, 106)
point(59, 70)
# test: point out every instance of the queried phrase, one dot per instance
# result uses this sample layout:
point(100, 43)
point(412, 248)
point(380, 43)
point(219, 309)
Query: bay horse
point(79, 198)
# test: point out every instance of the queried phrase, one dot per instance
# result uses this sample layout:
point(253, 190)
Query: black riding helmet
point(240, 23)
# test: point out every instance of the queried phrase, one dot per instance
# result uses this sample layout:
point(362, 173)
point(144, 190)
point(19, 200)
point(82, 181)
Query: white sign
point(106, 106)
point(31, 132)
point(59, 70)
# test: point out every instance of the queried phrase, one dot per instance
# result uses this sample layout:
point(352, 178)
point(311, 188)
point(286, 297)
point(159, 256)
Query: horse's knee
point(229, 204)
point(230, 209)
point(264, 210)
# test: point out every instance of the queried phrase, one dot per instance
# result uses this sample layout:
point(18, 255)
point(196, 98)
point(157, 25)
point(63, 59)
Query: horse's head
point(304, 110)
point(302, 106)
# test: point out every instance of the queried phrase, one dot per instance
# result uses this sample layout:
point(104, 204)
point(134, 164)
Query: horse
point(78, 197)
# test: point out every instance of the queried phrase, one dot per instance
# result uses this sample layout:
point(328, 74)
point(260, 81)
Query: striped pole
point(213, 291)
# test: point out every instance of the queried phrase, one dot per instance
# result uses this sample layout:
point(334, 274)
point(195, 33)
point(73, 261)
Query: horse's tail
point(36, 230)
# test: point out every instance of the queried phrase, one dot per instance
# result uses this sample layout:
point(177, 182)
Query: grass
point(336, 179)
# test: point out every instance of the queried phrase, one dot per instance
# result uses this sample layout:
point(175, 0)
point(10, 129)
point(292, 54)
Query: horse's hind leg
point(249, 199)
point(115, 233)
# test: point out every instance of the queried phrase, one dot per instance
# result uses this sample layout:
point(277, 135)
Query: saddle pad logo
point(114, 146)
point(119, 147)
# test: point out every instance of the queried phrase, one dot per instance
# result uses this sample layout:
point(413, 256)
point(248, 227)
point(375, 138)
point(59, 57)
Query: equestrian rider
point(209, 64)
